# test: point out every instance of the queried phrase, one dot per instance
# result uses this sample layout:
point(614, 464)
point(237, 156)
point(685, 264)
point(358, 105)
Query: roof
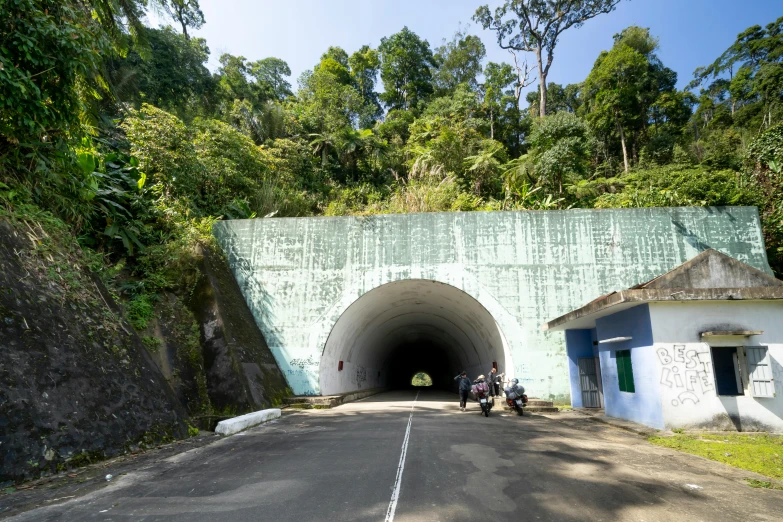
point(710, 276)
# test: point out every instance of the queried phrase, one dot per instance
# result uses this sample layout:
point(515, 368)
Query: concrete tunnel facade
point(392, 295)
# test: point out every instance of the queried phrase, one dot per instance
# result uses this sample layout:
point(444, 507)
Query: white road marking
point(398, 481)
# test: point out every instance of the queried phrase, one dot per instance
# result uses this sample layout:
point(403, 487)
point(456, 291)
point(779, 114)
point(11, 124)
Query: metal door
point(588, 381)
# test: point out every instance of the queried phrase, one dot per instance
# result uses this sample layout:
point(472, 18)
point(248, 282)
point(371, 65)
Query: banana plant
point(113, 185)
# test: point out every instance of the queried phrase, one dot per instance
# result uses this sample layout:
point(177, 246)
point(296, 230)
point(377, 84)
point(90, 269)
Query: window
point(725, 361)
point(759, 371)
point(625, 371)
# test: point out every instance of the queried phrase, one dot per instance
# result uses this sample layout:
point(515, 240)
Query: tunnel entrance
point(399, 329)
point(421, 380)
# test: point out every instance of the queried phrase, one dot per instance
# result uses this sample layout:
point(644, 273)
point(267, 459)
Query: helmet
point(480, 378)
point(514, 381)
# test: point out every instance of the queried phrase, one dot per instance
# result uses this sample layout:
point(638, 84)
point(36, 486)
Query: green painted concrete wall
point(299, 274)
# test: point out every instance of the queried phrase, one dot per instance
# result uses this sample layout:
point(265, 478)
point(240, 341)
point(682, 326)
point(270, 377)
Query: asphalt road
point(345, 465)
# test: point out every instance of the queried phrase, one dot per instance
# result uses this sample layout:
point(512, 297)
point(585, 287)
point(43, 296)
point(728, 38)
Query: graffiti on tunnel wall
point(687, 371)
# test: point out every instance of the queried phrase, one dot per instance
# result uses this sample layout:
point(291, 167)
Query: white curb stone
point(243, 422)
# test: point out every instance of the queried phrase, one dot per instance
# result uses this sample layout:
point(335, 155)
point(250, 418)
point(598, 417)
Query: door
point(588, 381)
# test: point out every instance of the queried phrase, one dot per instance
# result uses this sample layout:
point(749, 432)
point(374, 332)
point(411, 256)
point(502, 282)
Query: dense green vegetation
point(121, 131)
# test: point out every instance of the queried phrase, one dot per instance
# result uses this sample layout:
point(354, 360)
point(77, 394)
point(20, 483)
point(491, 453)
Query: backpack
point(480, 387)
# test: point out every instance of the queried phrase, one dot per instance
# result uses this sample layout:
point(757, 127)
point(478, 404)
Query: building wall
point(579, 343)
point(684, 363)
point(644, 405)
point(299, 275)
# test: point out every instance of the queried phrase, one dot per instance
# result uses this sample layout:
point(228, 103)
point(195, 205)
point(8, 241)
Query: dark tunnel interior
point(407, 360)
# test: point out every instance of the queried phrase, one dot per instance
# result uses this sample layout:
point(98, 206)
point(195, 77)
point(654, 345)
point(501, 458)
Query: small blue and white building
point(699, 347)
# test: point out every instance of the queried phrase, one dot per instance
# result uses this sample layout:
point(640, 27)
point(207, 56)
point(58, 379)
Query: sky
point(692, 33)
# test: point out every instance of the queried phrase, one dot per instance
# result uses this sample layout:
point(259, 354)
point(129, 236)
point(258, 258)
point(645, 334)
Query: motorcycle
point(515, 397)
point(481, 391)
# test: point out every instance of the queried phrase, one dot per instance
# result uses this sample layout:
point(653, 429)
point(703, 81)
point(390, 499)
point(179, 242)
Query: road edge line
point(400, 467)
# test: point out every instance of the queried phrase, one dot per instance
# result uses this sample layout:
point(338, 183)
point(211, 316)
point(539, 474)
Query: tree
point(631, 92)
point(365, 64)
point(41, 66)
point(559, 98)
point(406, 60)
point(613, 88)
point(560, 149)
point(185, 12)
point(501, 90)
point(747, 77)
point(234, 78)
point(270, 77)
point(174, 77)
point(258, 81)
point(536, 25)
point(328, 99)
point(458, 61)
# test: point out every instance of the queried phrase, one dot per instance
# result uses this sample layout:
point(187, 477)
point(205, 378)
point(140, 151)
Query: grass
point(761, 454)
point(762, 484)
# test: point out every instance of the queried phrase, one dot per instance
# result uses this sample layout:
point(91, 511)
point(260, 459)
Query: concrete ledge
point(599, 416)
point(237, 424)
point(306, 402)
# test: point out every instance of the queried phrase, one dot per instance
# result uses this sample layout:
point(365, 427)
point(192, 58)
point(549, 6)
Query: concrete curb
point(243, 422)
point(631, 427)
point(306, 402)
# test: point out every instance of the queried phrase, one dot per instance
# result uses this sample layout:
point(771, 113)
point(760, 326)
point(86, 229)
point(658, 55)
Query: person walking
point(492, 381)
point(463, 384)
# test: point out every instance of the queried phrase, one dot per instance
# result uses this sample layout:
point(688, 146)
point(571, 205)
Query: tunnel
point(399, 329)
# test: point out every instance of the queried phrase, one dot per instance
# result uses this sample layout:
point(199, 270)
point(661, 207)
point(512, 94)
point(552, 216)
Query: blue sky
point(691, 32)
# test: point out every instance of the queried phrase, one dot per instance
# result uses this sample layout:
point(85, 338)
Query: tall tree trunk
point(492, 125)
point(180, 15)
point(622, 141)
point(541, 83)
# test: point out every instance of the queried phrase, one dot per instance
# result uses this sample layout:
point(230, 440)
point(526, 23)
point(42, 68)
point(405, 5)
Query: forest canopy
point(123, 132)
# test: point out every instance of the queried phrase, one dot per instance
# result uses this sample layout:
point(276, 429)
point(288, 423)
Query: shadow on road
point(340, 465)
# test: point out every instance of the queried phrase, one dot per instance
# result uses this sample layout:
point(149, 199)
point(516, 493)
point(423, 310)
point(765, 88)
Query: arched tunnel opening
point(397, 330)
point(421, 380)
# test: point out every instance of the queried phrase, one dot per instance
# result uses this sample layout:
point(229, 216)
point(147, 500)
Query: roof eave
point(646, 295)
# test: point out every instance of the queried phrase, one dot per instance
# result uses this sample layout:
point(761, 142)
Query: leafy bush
point(720, 149)
point(430, 192)
point(766, 151)
point(674, 185)
point(51, 50)
point(764, 168)
point(560, 148)
point(166, 153)
point(140, 310)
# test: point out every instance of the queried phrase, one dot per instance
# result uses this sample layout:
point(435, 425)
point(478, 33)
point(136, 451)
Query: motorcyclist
point(464, 389)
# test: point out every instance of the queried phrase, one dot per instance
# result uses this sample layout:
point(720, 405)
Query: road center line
point(398, 480)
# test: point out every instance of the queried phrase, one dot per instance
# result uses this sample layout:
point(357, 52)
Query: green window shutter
point(620, 369)
point(629, 384)
point(625, 371)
